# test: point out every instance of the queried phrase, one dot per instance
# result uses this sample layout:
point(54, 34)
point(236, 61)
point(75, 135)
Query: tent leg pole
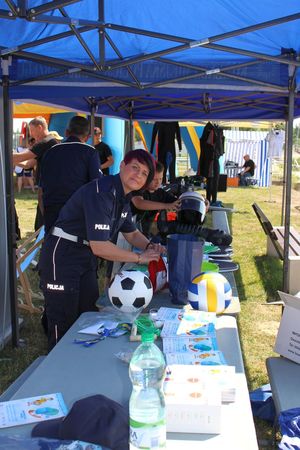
point(10, 211)
point(93, 110)
point(292, 71)
point(131, 131)
point(131, 127)
point(284, 173)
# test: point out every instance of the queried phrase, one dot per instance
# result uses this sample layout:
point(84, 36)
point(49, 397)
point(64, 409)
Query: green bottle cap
point(147, 337)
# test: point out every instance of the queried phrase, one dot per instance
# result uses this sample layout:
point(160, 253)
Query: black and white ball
point(130, 290)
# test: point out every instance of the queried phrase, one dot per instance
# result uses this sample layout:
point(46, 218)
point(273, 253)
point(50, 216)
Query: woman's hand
point(148, 255)
point(156, 247)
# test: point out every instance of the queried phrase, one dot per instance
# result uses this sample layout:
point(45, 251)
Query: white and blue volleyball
point(210, 291)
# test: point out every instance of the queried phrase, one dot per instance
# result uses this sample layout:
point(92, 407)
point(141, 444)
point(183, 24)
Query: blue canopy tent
point(158, 60)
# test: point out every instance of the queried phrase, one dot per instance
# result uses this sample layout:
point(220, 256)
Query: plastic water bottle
point(147, 404)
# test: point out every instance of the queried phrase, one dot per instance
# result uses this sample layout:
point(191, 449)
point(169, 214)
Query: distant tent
point(239, 143)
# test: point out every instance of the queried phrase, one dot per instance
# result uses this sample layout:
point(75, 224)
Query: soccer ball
point(130, 290)
point(210, 291)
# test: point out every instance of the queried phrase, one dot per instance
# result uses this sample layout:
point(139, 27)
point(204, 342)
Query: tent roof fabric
point(155, 60)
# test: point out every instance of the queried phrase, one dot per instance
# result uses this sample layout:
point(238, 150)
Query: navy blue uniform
point(97, 211)
point(65, 168)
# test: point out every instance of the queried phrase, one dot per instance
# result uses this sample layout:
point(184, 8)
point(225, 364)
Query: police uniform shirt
point(98, 210)
point(65, 168)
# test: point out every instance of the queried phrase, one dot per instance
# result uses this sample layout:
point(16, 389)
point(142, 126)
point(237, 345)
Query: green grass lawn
point(258, 280)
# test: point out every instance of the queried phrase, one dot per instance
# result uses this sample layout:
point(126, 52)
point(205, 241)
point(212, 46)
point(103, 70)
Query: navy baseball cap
point(96, 419)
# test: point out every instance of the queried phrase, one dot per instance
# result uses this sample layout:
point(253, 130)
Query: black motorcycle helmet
point(192, 209)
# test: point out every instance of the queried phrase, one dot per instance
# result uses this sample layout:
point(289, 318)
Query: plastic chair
point(26, 253)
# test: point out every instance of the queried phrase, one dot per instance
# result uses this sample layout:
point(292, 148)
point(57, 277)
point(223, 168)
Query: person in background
point(38, 129)
point(44, 140)
point(66, 167)
point(248, 170)
point(105, 154)
point(148, 202)
point(28, 171)
point(56, 136)
point(83, 232)
point(22, 172)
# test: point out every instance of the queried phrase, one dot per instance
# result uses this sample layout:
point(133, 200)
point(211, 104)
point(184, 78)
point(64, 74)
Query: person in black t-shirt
point(145, 204)
point(38, 128)
point(248, 170)
point(43, 141)
point(105, 154)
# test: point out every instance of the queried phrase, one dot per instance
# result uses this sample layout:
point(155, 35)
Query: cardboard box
point(288, 337)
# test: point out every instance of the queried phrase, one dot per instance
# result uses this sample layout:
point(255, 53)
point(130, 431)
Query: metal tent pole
point(292, 87)
point(131, 128)
point(284, 174)
point(10, 206)
point(92, 121)
point(270, 178)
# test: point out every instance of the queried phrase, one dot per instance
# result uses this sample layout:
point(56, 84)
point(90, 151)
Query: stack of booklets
point(189, 337)
point(207, 379)
point(191, 405)
point(198, 380)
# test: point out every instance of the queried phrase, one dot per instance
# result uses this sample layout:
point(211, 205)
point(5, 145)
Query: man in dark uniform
point(67, 167)
point(105, 154)
point(85, 230)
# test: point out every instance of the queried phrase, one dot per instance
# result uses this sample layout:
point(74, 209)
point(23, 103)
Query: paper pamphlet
point(194, 326)
point(33, 409)
point(186, 322)
point(187, 329)
point(189, 344)
point(16, 442)
point(169, 314)
point(203, 358)
point(191, 315)
point(98, 327)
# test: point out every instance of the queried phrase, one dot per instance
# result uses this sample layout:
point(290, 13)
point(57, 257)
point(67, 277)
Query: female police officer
point(84, 230)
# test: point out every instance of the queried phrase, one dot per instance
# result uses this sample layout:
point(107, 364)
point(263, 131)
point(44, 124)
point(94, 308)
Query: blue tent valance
point(154, 60)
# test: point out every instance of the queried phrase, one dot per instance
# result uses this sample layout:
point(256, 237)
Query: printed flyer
point(33, 409)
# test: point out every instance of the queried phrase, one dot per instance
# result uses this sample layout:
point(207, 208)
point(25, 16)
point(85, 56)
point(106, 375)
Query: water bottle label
point(147, 436)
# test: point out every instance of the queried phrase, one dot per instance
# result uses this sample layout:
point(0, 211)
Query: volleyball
point(210, 291)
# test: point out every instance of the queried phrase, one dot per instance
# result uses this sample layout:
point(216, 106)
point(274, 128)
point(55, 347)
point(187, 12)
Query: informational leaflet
point(187, 314)
point(187, 329)
point(203, 358)
point(169, 314)
point(33, 409)
point(186, 322)
point(189, 344)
